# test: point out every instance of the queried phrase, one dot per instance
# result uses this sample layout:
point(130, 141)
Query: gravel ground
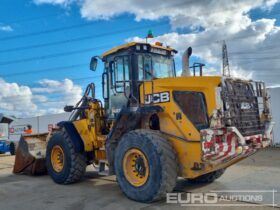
point(260, 172)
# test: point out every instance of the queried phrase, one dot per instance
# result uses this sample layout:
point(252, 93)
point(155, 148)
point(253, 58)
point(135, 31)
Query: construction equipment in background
point(5, 144)
point(153, 126)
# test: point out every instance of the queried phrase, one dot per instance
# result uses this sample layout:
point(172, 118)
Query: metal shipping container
point(40, 124)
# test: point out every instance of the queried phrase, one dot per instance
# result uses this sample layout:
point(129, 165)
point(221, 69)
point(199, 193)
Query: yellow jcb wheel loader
point(154, 126)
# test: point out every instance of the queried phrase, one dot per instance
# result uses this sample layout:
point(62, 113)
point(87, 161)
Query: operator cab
point(129, 65)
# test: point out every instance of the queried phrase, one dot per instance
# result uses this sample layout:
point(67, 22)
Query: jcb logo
point(157, 98)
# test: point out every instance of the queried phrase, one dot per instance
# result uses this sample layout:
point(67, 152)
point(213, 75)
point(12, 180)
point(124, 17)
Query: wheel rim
point(135, 167)
point(57, 158)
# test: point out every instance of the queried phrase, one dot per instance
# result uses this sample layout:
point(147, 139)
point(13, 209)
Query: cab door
point(119, 89)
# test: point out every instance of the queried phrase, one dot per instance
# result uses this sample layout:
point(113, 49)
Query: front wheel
point(64, 164)
point(145, 165)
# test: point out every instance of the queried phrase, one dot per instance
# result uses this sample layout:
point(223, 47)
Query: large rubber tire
point(12, 148)
point(162, 163)
point(208, 178)
point(74, 166)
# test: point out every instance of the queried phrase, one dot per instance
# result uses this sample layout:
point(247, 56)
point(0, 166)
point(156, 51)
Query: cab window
point(144, 68)
point(155, 66)
point(120, 73)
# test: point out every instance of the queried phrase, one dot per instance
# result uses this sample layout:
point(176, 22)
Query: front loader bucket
point(30, 154)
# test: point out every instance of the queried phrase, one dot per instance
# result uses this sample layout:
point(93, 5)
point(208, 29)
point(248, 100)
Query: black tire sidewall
point(12, 148)
point(146, 192)
point(59, 139)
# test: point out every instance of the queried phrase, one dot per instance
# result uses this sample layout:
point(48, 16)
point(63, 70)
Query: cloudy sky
point(46, 45)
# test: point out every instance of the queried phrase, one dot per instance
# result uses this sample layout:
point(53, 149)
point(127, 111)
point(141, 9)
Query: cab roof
point(130, 44)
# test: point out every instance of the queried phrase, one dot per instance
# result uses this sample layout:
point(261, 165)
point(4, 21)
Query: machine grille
point(242, 108)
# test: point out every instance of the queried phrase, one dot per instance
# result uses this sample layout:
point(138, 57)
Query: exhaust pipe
point(185, 62)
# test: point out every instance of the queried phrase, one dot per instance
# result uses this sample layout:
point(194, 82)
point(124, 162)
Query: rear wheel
point(64, 164)
point(145, 165)
point(208, 178)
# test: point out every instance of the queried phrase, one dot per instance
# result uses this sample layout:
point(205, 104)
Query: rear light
point(158, 44)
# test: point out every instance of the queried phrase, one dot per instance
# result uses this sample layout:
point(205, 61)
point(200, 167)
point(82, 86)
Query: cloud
point(182, 13)
point(249, 42)
point(252, 48)
point(49, 98)
point(69, 92)
point(189, 12)
point(253, 43)
point(39, 98)
point(244, 47)
point(274, 86)
point(15, 98)
point(6, 28)
point(54, 2)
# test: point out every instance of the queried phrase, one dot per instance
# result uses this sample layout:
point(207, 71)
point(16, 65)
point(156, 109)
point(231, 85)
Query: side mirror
point(68, 108)
point(93, 63)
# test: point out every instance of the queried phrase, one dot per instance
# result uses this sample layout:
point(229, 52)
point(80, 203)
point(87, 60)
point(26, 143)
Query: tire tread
point(167, 157)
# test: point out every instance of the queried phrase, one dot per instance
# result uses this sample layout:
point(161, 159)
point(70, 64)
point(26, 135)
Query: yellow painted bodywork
point(184, 137)
point(89, 130)
point(182, 133)
point(130, 44)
